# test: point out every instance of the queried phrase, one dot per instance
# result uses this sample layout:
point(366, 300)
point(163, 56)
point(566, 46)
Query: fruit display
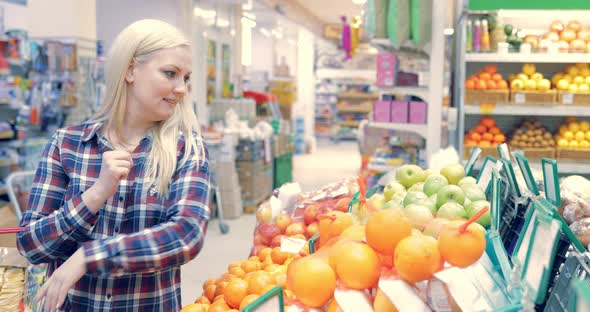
point(485, 134)
point(529, 79)
point(486, 79)
point(531, 133)
point(573, 134)
point(425, 221)
point(575, 78)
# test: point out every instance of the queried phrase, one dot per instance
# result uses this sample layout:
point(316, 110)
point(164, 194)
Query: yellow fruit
point(585, 144)
point(574, 127)
point(573, 88)
point(582, 65)
point(587, 80)
point(573, 71)
point(584, 88)
point(563, 84)
point(511, 77)
point(574, 144)
point(531, 84)
point(584, 126)
point(579, 80)
point(543, 84)
point(568, 78)
point(585, 72)
point(563, 129)
point(537, 76)
point(529, 69)
point(562, 143)
point(580, 136)
point(517, 84)
point(555, 79)
point(588, 135)
point(568, 135)
point(523, 77)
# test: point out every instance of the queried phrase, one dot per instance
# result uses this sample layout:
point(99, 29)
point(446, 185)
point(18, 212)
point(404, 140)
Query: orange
point(267, 262)
point(475, 137)
point(485, 143)
point(385, 229)
point(357, 265)
point(227, 277)
point(488, 122)
point(258, 282)
point(491, 85)
point(238, 272)
point(480, 85)
point(264, 253)
point(254, 258)
point(233, 310)
point(248, 300)
point(502, 85)
point(469, 84)
point(220, 297)
point(481, 129)
point(278, 256)
point(235, 292)
point(268, 288)
point(497, 77)
point(218, 306)
point(203, 299)
point(250, 266)
point(355, 232)
point(485, 76)
point(272, 267)
point(490, 69)
point(220, 288)
point(235, 264)
point(487, 137)
point(332, 224)
point(211, 281)
point(417, 258)
point(279, 278)
point(210, 292)
point(461, 249)
point(499, 138)
point(382, 304)
point(195, 307)
point(495, 130)
point(312, 281)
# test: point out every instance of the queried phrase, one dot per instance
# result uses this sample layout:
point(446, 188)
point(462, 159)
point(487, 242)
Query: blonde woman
point(119, 203)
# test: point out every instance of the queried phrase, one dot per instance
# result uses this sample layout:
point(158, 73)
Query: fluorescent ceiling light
point(248, 5)
point(448, 31)
point(204, 13)
point(232, 32)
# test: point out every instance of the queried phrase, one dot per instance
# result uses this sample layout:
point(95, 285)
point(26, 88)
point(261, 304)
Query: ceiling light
point(246, 22)
point(360, 2)
point(448, 31)
point(232, 32)
point(222, 23)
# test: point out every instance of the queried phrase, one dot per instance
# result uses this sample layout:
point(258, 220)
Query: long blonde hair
point(137, 41)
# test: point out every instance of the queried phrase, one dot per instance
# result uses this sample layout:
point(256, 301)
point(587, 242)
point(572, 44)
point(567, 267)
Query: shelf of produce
point(421, 92)
point(527, 57)
point(350, 123)
point(422, 130)
point(362, 96)
point(519, 110)
point(563, 167)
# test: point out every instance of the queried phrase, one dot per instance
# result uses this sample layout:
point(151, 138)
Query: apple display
point(454, 173)
point(418, 187)
point(486, 219)
point(283, 221)
point(391, 189)
point(414, 198)
point(450, 194)
point(467, 180)
point(409, 175)
point(473, 192)
point(451, 211)
point(434, 183)
point(418, 215)
point(295, 228)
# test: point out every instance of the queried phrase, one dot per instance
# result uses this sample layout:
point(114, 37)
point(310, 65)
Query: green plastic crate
point(283, 170)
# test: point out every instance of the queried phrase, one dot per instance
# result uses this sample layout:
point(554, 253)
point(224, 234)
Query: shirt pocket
point(150, 211)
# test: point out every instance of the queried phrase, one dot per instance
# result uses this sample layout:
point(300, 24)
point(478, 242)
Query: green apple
point(391, 189)
point(454, 173)
point(414, 198)
point(466, 203)
point(418, 187)
point(434, 183)
point(450, 194)
point(451, 211)
point(431, 171)
point(430, 204)
point(473, 192)
point(378, 200)
point(409, 175)
point(396, 201)
point(474, 207)
point(418, 215)
point(467, 180)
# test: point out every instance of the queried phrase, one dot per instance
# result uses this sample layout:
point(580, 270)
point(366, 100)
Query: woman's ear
point(130, 74)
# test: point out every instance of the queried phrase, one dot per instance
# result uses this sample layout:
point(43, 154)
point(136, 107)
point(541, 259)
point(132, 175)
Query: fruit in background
point(529, 69)
point(419, 215)
point(487, 79)
point(355, 232)
point(381, 303)
point(357, 265)
point(568, 35)
point(563, 84)
point(451, 211)
point(466, 181)
point(264, 214)
point(276, 241)
point(283, 221)
point(268, 231)
point(544, 84)
point(486, 219)
point(461, 243)
point(517, 84)
point(557, 26)
point(531, 134)
point(434, 183)
point(295, 228)
point(385, 229)
point(312, 281)
point(431, 171)
point(332, 224)
point(450, 194)
point(434, 227)
point(574, 25)
point(342, 204)
point(573, 88)
point(378, 200)
point(536, 76)
point(310, 213)
point(454, 173)
point(312, 230)
point(473, 192)
point(409, 175)
point(417, 258)
point(530, 85)
point(391, 189)
point(414, 198)
point(573, 134)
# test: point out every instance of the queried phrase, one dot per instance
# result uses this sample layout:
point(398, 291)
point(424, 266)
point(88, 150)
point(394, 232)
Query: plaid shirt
point(135, 244)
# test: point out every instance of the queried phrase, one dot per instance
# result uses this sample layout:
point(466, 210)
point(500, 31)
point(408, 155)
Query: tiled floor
point(330, 163)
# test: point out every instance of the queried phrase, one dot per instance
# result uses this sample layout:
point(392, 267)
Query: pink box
point(385, 78)
point(417, 112)
point(381, 111)
point(387, 61)
point(399, 112)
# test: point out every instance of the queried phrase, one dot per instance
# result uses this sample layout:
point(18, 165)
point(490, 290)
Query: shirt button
point(117, 229)
point(108, 296)
point(120, 198)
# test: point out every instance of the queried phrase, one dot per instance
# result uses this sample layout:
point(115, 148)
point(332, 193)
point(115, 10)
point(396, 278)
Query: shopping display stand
point(271, 301)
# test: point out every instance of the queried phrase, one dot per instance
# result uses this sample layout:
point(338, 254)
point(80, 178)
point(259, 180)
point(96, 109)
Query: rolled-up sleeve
point(172, 243)
point(53, 227)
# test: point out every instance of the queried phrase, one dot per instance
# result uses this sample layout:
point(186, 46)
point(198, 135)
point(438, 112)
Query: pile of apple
point(575, 78)
point(529, 79)
point(573, 134)
point(429, 198)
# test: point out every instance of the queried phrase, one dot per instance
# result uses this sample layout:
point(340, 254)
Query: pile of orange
point(485, 134)
point(486, 79)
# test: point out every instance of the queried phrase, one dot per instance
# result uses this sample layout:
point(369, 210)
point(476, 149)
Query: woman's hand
point(115, 167)
point(61, 281)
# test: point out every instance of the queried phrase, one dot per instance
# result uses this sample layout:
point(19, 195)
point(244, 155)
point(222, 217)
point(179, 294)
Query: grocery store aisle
point(330, 163)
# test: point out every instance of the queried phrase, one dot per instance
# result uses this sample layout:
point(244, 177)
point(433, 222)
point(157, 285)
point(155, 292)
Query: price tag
point(567, 98)
point(485, 175)
point(272, 301)
point(523, 164)
point(402, 295)
point(351, 300)
point(551, 180)
point(461, 288)
point(503, 151)
point(487, 108)
point(292, 245)
point(473, 157)
point(509, 170)
point(519, 98)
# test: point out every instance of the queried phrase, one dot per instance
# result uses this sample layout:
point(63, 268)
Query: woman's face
point(158, 83)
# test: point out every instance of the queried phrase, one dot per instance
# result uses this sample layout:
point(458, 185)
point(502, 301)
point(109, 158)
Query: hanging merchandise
point(354, 35)
point(381, 15)
point(398, 21)
point(346, 43)
point(421, 18)
point(369, 19)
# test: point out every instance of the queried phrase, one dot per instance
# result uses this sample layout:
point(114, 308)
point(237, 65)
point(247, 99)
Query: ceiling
point(329, 11)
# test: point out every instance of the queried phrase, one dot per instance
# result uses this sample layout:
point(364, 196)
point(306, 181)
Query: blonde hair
point(137, 41)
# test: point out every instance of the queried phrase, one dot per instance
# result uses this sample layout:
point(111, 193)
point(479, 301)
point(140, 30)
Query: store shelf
point(527, 58)
point(383, 44)
point(563, 167)
point(421, 92)
point(336, 73)
point(350, 123)
point(422, 130)
point(519, 110)
point(357, 95)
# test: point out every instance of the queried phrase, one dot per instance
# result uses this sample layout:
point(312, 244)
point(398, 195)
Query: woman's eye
point(169, 74)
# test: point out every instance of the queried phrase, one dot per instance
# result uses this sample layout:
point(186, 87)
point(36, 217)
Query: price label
point(485, 175)
point(351, 300)
point(503, 151)
point(487, 108)
point(519, 98)
point(525, 169)
point(402, 295)
point(567, 98)
point(292, 245)
point(473, 157)
point(551, 180)
point(272, 301)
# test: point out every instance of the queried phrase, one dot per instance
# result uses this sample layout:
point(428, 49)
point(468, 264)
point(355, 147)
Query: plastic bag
point(581, 229)
point(573, 208)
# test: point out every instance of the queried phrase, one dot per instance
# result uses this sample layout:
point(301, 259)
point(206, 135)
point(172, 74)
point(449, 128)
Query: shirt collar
point(91, 130)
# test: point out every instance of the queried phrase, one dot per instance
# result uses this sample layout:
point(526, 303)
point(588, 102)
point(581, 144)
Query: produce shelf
point(527, 57)
point(422, 130)
point(564, 167)
point(519, 110)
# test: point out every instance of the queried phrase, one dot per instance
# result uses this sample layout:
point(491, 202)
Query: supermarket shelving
point(518, 110)
point(422, 130)
point(421, 92)
point(528, 57)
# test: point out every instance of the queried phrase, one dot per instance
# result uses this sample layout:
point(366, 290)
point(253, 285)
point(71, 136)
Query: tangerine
point(487, 137)
point(495, 130)
point(481, 129)
point(497, 77)
point(417, 258)
point(220, 288)
point(278, 256)
point(272, 267)
point(211, 281)
point(238, 272)
point(203, 299)
point(312, 281)
point(220, 297)
point(235, 264)
point(491, 85)
point(235, 292)
point(490, 69)
point(469, 84)
point(218, 306)
point(355, 232)
point(462, 249)
point(258, 282)
point(250, 266)
point(210, 292)
point(488, 122)
point(357, 265)
point(485, 143)
point(382, 304)
point(385, 229)
point(264, 253)
point(195, 307)
point(332, 224)
point(279, 278)
point(485, 76)
point(247, 301)
point(502, 85)
point(475, 137)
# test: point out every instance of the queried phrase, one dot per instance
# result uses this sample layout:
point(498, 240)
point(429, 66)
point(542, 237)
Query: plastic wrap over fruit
point(578, 185)
point(581, 229)
point(573, 208)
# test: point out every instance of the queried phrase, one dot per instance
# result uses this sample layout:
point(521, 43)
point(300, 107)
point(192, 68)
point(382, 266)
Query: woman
point(119, 203)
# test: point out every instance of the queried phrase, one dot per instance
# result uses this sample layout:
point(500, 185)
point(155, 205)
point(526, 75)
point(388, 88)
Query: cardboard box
point(382, 111)
point(399, 111)
point(417, 113)
point(7, 219)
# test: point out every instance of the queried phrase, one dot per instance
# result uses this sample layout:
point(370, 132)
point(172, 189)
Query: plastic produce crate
point(577, 266)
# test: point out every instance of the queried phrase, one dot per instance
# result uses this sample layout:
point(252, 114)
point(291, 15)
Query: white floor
point(330, 163)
